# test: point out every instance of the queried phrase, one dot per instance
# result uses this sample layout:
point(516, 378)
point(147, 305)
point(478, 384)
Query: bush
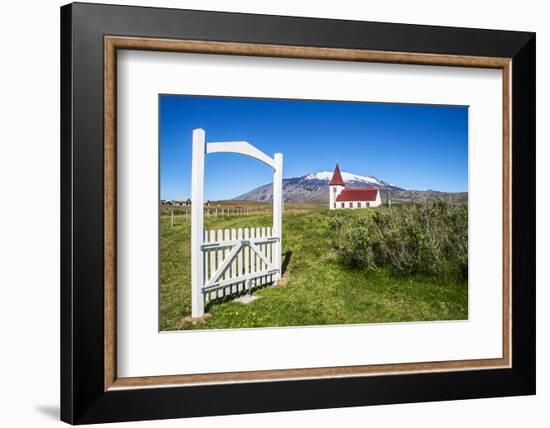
point(427, 238)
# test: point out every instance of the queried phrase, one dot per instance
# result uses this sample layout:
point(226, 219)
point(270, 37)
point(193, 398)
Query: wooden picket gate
point(238, 260)
point(231, 261)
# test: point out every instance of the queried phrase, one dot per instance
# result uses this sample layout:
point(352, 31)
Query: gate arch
point(200, 283)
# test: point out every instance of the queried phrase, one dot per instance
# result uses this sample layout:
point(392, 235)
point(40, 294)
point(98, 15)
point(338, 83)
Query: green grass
point(316, 289)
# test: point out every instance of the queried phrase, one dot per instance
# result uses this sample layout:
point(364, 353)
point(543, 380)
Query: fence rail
point(237, 260)
point(185, 215)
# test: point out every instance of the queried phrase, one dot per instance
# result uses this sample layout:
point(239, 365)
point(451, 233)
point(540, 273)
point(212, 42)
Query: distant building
point(175, 203)
point(340, 197)
point(188, 202)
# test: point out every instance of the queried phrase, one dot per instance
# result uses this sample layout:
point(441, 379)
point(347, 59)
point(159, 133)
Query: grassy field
point(316, 288)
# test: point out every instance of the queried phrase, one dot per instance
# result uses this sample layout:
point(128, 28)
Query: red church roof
point(337, 179)
point(353, 195)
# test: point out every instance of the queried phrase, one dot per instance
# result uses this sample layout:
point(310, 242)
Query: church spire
point(337, 179)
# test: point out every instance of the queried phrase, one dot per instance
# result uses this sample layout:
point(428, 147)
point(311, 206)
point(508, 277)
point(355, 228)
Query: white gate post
point(197, 222)
point(278, 209)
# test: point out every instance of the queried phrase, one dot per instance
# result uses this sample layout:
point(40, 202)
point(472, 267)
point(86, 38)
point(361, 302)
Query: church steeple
point(337, 179)
point(336, 187)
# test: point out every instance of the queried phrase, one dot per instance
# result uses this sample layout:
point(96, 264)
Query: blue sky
point(412, 146)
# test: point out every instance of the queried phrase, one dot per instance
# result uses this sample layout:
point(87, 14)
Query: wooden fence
point(238, 260)
point(185, 215)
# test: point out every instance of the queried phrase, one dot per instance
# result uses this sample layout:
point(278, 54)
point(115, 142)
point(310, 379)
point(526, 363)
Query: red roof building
point(340, 197)
point(348, 195)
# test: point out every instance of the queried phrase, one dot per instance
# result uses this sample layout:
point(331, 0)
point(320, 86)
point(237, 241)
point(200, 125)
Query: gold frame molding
point(113, 43)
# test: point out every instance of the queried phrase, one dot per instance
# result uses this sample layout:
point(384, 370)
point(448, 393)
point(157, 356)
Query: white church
point(340, 197)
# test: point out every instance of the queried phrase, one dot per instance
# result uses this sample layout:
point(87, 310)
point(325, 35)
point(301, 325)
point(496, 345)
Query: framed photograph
point(266, 213)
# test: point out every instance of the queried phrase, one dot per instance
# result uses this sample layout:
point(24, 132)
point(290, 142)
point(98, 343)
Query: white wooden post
point(278, 209)
point(197, 222)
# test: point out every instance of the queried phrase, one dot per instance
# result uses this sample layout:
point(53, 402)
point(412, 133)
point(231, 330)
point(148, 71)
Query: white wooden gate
point(237, 260)
point(231, 261)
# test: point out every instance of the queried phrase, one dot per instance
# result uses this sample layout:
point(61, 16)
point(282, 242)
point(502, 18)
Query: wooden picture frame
point(91, 390)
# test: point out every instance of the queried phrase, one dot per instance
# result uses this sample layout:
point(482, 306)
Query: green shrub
point(427, 238)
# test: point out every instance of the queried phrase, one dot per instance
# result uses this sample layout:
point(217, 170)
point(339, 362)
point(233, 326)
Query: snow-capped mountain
point(314, 187)
point(349, 178)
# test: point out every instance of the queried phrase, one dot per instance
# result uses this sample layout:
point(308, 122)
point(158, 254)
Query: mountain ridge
point(314, 187)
